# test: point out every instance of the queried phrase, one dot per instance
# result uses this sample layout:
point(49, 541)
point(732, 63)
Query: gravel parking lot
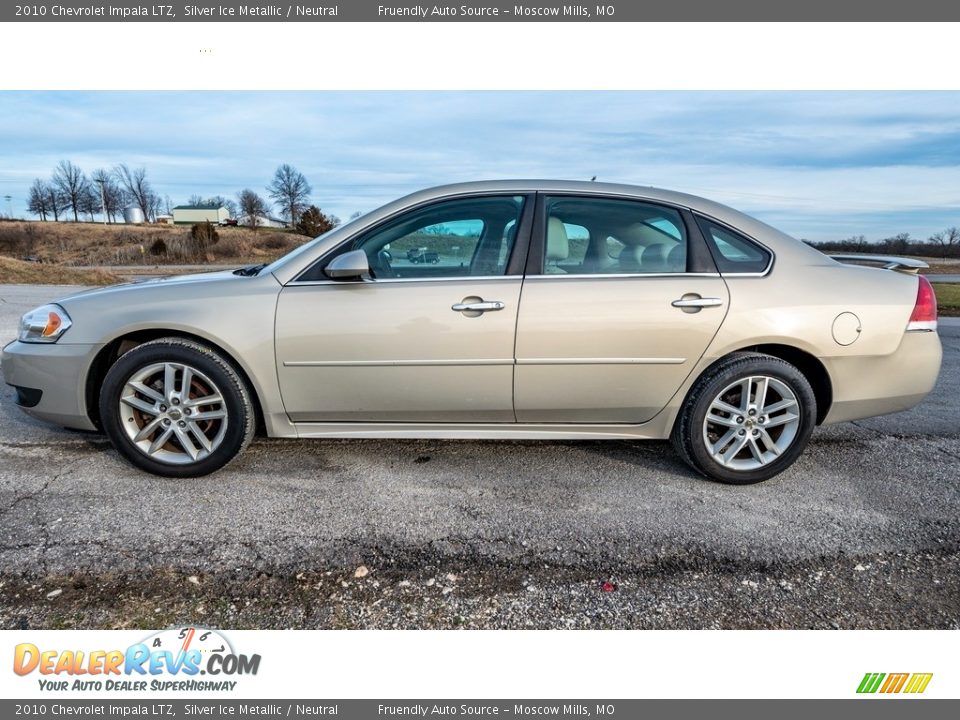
point(863, 532)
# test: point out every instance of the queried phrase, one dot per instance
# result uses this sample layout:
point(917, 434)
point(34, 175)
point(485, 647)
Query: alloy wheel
point(751, 422)
point(173, 413)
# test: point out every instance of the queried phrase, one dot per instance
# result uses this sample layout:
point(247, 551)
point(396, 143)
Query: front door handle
point(481, 306)
point(697, 302)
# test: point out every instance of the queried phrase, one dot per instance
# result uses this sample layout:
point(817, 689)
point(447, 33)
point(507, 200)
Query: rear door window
point(733, 252)
point(604, 236)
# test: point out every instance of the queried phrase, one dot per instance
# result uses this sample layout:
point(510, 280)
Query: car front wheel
point(746, 419)
point(176, 408)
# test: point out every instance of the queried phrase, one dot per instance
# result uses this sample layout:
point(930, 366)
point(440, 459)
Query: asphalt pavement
point(864, 531)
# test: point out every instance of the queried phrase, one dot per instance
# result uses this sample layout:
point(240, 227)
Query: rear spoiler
point(889, 262)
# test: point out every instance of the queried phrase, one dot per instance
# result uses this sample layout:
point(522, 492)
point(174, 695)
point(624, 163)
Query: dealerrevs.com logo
point(910, 683)
point(181, 659)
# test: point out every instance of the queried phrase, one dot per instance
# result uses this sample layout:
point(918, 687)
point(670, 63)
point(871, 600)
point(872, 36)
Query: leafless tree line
point(945, 244)
point(71, 192)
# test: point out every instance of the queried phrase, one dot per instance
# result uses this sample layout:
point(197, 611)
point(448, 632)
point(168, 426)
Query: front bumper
point(866, 386)
point(59, 373)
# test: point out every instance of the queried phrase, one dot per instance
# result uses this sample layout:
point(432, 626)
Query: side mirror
point(349, 266)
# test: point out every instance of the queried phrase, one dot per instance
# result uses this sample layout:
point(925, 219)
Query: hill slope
point(68, 243)
point(23, 273)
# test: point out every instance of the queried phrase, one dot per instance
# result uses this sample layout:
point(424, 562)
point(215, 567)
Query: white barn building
point(192, 214)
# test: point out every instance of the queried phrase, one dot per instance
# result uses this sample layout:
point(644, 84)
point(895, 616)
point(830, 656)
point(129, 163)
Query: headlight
point(44, 325)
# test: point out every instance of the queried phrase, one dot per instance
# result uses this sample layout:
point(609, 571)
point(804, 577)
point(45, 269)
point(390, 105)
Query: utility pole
point(9, 200)
point(103, 202)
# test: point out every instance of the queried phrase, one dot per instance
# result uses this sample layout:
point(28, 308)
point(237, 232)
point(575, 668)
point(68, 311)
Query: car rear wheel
point(175, 408)
point(746, 419)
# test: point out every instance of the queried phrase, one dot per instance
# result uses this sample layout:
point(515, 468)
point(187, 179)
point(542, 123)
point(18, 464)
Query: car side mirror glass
point(352, 265)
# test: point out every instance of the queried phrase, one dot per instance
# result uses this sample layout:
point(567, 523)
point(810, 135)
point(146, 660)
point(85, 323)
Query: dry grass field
point(31, 273)
point(73, 244)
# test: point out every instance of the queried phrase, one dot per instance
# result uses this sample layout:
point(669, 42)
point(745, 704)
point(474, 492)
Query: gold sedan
point(513, 309)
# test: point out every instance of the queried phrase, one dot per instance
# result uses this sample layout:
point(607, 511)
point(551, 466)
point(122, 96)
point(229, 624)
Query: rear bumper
point(878, 385)
point(53, 379)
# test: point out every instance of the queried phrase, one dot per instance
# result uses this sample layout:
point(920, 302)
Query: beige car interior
point(558, 246)
point(645, 249)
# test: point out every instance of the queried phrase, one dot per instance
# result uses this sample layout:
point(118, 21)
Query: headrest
point(653, 258)
point(677, 258)
point(629, 259)
point(558, 245)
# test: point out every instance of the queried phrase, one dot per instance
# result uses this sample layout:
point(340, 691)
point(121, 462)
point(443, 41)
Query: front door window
point(468, 237)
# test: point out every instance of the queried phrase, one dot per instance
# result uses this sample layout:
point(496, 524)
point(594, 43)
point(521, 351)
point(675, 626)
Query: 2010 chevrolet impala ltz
point(514, 309)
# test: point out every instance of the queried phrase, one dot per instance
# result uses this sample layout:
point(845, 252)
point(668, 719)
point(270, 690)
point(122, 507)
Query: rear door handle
point(697, 302)
point(483, 306)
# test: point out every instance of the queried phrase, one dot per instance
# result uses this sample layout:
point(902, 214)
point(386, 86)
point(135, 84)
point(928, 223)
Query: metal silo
point(133, 215)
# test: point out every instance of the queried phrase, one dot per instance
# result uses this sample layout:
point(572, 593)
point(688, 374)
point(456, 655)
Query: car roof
point(711, 208)
point(542, 185)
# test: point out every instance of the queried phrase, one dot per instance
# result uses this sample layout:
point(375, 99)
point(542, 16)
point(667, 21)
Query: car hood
point(155, 283)
point(205, 304)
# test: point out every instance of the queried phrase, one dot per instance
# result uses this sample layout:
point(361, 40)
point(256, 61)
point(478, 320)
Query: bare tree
point(135, 184)
point(252, 207)
point(71, 185)
point(155, 204)
point(856, 243)
point(112, 203)
point(90, 202)
point(219, 201)
point(946, 239)
point(39, 199)
point(215, 201)
point(55, 202)
point(898, 244)
point(290, 190)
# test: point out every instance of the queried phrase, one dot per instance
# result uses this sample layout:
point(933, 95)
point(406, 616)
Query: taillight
point(924, 315)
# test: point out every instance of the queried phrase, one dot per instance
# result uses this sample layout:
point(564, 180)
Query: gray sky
point(818, 165)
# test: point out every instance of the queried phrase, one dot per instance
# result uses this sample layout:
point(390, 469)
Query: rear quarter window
point(733, 252)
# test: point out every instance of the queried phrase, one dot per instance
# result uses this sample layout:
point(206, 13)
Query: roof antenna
point(593, 179)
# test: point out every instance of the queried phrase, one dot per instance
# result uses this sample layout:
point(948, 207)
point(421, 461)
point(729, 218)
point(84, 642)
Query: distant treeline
point(70, 193)
point(943, 244)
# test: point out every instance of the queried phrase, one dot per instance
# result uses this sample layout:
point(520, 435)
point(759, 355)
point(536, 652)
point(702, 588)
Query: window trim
point(515, 262)
point(700, 261)
point(703, 217)
point(384, 281)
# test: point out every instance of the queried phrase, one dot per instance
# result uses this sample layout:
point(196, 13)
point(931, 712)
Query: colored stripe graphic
point(870, 682)
point(918, 683)
point(894, 683)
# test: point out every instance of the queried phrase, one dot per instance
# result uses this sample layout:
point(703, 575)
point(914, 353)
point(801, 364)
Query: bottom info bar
point(366, 709)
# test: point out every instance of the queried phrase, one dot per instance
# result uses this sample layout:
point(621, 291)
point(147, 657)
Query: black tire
point(688, 430)
point(237, 402)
